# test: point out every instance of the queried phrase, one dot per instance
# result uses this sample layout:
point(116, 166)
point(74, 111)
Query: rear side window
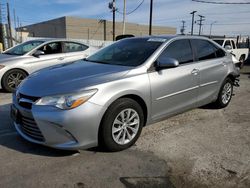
point(74, 47)
point(180, 50)
point(204, 49)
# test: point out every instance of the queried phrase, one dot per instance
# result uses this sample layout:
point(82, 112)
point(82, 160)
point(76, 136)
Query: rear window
point(204, 49)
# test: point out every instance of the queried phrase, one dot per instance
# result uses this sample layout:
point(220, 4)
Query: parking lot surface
point(204, 147)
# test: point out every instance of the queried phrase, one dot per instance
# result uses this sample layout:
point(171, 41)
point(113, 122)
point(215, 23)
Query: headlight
point(2, 66)
point(67, 102)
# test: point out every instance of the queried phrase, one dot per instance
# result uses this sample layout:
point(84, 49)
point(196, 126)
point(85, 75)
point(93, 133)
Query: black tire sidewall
point(108, 119)
point(219, 102)
point(5, 79)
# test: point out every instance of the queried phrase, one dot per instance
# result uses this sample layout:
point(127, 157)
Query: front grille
point(27, 102)
point(30, 128)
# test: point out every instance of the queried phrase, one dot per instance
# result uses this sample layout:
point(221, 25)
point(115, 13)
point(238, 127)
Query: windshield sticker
point(157, 40)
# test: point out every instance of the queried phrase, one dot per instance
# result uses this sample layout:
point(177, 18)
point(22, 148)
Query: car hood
point(5, 57)
point(70, 78)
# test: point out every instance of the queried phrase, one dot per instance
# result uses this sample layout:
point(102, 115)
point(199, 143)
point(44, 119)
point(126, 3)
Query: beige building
point(79, 28)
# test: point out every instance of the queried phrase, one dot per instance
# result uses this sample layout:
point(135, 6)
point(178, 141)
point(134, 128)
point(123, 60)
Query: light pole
point(211, 25)
point(124, 17)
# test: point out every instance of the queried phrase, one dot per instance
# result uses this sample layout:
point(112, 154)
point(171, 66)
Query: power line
point(132, 10)
point(218, 2)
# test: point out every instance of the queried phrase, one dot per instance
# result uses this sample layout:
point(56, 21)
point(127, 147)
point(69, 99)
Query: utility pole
point(113, 9)
point(192, 27)
point(124, 17)
point(183, 27)
point(104, 30)
point(9, 26)
point(150, 17)
point(14, 13)
point(200, 22)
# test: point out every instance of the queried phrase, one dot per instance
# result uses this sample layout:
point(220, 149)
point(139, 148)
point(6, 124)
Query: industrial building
point(92, 29)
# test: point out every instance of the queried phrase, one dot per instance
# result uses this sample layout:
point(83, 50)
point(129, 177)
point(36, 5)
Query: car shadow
point(10, 139)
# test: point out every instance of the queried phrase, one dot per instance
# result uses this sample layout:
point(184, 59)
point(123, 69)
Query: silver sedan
point(18, 62)
point(108, 98)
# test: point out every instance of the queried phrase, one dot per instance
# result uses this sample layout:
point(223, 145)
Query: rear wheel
point(12, 79)
point(121, 125)
point(225, 94)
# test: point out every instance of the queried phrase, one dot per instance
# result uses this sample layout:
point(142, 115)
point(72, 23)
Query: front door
point(174, 90)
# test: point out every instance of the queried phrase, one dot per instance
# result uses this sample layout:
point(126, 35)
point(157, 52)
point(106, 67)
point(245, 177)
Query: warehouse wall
point(53, 28)
point(79, 28)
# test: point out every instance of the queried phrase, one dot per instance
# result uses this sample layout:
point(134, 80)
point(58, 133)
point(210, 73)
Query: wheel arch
point(134, 97)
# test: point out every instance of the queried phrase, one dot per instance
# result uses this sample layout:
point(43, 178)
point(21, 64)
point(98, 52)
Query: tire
point(12, 79)
point(241, 60)
point(225, 94)
point(114, 127)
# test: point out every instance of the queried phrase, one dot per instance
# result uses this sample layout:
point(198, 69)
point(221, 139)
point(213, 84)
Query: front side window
point(52, 48)
point(179, 50)
point(74, 47)
point(227, 43)
point(204, 49)
point(23, 48)
point(220, 42)
point(127, 52)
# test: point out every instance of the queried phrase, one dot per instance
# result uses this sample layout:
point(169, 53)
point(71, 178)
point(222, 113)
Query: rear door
point(175, 89)
point(75, 51)
point(212, 64)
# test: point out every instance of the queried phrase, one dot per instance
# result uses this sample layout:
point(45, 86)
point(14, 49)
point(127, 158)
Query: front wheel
point(121, 125)
point(225, 94)
point(12, 79)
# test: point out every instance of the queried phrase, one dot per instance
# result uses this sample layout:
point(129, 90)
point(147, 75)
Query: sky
point(227, 19)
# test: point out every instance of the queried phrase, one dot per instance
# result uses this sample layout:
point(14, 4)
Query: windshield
point(220, 42)
point(128, 52)
point(23, 48)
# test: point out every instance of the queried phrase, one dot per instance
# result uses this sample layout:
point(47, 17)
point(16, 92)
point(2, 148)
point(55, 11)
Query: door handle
point(195, 71)
point(224, 63)
point(61, 58)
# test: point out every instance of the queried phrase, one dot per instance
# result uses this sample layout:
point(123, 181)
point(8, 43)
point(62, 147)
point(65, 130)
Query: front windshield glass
point(128, 52)
point(23, 48)
point(220, 42)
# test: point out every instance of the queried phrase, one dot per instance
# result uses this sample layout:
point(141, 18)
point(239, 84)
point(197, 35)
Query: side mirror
point(166, 62)
point(38, 53)
point(228, 47)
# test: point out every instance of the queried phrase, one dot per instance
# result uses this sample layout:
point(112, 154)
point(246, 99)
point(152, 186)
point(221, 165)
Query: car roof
point(168, 37)
point(56, 40)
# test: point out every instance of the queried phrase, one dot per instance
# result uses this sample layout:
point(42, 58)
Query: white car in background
point(19, 61)
point(241, 54)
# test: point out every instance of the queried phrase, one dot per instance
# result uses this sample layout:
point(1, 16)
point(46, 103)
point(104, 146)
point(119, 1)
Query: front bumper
point(61, 129)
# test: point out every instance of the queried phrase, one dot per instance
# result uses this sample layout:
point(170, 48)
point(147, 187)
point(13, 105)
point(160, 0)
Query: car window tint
point(74, 47)
point(180, 50)
point(204, 49)
point(220, 53)
point(52, 48)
